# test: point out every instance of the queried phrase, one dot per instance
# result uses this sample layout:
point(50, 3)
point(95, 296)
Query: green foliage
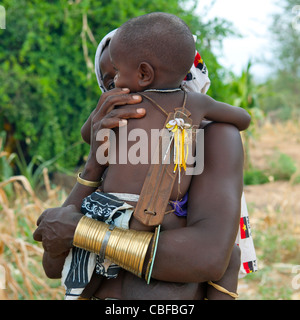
point(5, 163)
point(255, 176)
point(286, 39)
point(43, 95)
point(211, 33)
point(280, 95)
point(48, 87)
point(33, 170)
point(296, 180)
point(282, 166)
point(243, 93)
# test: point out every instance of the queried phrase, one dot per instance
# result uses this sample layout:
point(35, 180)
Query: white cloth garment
point(80, 264)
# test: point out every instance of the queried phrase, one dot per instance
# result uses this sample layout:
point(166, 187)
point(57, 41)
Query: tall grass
point(20, 255)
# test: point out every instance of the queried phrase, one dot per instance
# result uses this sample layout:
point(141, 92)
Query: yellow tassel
point(180, 149)
point(180, 146)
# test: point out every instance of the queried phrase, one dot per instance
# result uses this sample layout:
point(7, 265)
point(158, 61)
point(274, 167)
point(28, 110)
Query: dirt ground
point(283, 137)
point(274, 210)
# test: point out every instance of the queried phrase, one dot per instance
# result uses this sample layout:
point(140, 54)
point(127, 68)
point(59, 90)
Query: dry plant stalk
point(20, 257)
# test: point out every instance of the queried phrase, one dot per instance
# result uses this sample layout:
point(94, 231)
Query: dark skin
point(212, 216)
point(191, 255)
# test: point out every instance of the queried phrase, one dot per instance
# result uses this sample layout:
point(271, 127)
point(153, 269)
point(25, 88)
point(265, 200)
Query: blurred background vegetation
point(48, 86)
point(48, 89)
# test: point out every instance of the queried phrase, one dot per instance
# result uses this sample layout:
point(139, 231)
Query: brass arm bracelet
point(94, 184)
point(126, 248)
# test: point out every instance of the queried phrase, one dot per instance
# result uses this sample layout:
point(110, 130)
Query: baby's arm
point(223, 112)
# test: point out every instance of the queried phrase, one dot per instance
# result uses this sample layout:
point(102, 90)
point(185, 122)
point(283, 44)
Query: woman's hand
point(105, 116)
point(56, 228)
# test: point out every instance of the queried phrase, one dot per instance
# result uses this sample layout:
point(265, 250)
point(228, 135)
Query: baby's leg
point(229, 280)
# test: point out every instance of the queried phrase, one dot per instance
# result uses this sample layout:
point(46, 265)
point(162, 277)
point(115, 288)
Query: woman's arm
point(201, 251)
point(223, 112)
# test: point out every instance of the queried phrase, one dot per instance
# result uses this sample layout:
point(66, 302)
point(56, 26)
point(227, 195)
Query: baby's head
point(152, 51)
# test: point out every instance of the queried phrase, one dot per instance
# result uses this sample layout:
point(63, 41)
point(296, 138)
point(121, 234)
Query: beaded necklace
point(163, 90)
